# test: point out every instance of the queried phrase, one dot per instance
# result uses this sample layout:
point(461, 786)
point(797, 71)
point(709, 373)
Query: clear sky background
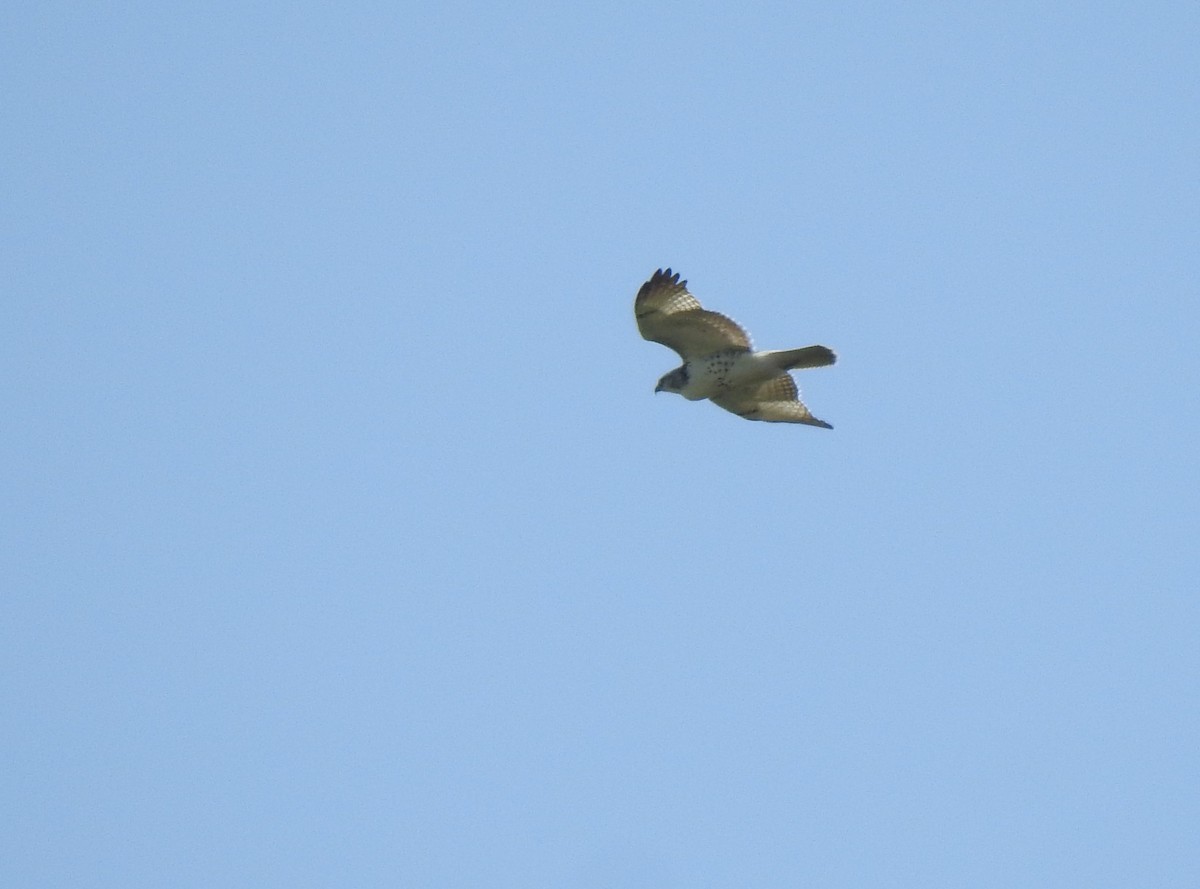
point(345, 543)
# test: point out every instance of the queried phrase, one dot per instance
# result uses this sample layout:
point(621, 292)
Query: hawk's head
point(674, 381)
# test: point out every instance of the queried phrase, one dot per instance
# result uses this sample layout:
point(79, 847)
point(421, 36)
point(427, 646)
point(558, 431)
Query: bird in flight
point(718, 361)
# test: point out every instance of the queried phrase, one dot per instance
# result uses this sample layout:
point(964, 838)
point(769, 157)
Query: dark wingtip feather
point(660, 278)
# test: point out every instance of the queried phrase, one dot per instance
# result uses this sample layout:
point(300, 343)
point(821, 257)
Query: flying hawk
point(718, 361)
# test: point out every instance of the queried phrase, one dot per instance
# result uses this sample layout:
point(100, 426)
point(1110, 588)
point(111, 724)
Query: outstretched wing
point(668, 314)
point(775, 401)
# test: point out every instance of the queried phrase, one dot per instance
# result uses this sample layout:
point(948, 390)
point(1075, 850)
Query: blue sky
point(346, 544)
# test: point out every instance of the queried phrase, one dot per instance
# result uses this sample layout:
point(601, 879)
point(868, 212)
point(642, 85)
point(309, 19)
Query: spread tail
point(809, 356)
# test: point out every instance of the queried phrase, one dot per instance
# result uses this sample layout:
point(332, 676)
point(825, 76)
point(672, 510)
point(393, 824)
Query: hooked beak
point(658, 388)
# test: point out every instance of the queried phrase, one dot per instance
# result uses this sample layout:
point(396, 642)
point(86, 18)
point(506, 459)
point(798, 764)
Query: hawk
point(718, 361)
